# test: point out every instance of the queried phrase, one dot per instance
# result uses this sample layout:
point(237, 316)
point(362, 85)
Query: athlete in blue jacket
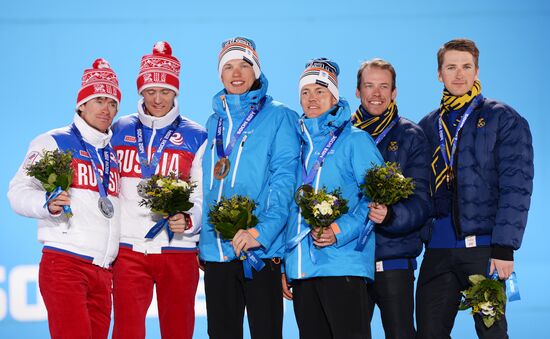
point(481, 184)
point(329, 290)
point(263, 164)
point(398, 226)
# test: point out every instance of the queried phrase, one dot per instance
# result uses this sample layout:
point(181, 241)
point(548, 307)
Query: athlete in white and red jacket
point(75, 278)
point(157, 140)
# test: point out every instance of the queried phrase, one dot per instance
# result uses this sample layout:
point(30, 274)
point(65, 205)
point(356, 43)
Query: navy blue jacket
point(399, 235)
point(494, 176)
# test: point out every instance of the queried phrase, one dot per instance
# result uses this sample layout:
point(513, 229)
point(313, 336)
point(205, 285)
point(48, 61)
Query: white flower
point(160, 183)
point(181, 183)
point(331, 198)
point(400, 176)
point(487, 308)
point(325, 208)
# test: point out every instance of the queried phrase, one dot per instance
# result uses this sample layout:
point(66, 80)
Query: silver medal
point(106, 207)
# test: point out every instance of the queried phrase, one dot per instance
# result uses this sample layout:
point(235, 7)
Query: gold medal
point(301, 191)
point(221, 169)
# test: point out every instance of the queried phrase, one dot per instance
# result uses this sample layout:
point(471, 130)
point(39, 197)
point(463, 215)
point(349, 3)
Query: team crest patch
point(176, 139)
point(480, 123)
point(129, 138)
point(30, 159)
point(84, 154)
point(392, 146)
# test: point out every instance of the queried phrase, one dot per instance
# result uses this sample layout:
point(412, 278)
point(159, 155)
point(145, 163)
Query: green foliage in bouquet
point(53, 170)
point(231, 215)
point(486, 297)
point(322, 208)
point(385, 184)
point(166, 195)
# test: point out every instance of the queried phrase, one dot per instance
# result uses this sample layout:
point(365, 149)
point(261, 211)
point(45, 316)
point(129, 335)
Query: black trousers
point(331, 307)
point(443, 274)
point(393, 292)
point(228, 293)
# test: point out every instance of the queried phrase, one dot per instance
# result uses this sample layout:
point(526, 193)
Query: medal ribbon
point(242, 127)
point(52, 195)
point(442, 144)
point(148, 168)
point(251, 261)
point(364, 236)
point(307, 178)
point(102, 183)
point(385, 132)
point(512, 288)
point(159, 226)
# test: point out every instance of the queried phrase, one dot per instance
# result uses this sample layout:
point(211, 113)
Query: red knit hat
point(159, 69)
point(98, 81)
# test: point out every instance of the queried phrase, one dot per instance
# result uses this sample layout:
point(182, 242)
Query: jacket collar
point(328, 121)
point(91, 135)
point(238, 104)
point(157, 122)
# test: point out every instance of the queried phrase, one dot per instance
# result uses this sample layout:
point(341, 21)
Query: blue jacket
point(344, 167)
point(263, 166)
point(399, 235)
point(494, 176)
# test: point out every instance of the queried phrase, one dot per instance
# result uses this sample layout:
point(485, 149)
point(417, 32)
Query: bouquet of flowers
point(322, 208)
point(54, 172)
point(231, 215)
point(386, 185)
point(486, 297)
point(166, 196)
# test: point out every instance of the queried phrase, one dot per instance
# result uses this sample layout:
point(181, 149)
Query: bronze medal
point(221, 169)
point(301, 191)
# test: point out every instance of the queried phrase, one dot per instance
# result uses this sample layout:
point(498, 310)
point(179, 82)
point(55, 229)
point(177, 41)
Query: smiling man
point(253, 152)
point(398, 226)
point(75, 278)
point(157, 140)
point(481, 185)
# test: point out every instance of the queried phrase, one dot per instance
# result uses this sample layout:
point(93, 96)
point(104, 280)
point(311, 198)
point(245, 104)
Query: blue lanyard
point(102, 184)
point(469, 110)
point(148, 168)
point(242, 127)
point(385, 132)
point(307, 178)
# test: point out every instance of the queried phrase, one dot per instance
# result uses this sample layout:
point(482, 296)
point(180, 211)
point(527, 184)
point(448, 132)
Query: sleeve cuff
point(389, 217)
point(502, 253)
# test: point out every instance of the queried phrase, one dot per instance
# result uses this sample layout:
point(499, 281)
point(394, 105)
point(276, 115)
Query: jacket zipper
point(238, 160)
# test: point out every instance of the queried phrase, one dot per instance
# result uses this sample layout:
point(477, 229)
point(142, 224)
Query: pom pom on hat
point(242, 49)
point(321, 71)
point(98, 81)
point(159, 69)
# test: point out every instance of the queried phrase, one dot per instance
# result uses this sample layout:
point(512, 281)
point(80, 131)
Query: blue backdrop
point(45, 46)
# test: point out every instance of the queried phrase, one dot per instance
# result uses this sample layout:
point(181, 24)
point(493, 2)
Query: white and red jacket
point(87, 235)
point(182, 155)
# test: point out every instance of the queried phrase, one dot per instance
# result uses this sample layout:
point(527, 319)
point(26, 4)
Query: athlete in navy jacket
point(481, 190)
point(398, 226)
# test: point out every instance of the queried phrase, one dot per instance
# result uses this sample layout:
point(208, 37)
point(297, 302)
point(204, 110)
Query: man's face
point(458, 72)
point(158, 100)
point(375, 90)
point(237, 76)
point(99, 112)
point(316, 100)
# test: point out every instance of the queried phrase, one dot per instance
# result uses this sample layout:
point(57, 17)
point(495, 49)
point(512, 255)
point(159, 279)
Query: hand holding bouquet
point(486, 297)
point(231, 215)
point(322, 208)
point(54, 172)
point(385, 185)
point(165, 196)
